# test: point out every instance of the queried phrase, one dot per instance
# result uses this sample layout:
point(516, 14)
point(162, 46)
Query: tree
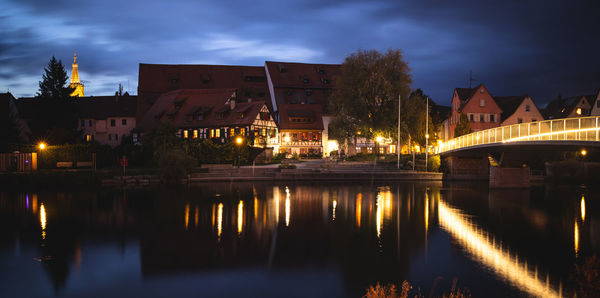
point(463, 127)
point(365, 100)
point(56, 112)
point(53, 83)
point(413, 116)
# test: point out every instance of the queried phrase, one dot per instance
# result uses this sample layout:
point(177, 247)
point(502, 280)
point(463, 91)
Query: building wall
point(522, 114)
point(481, 110)
point(103, 131)
point(596, 105)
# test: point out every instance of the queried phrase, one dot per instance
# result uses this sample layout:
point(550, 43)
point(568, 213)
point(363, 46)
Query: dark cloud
point(514, 47)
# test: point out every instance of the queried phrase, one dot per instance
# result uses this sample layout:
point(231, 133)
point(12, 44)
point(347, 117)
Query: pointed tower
point(75, 83)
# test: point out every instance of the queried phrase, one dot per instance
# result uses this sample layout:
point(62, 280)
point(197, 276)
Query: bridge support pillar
point(510, 177)
point(460, 167)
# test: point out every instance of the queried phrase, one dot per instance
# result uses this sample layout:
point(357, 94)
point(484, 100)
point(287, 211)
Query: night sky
point(543, 48)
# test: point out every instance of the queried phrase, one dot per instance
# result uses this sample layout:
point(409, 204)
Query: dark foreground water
point(295, 240)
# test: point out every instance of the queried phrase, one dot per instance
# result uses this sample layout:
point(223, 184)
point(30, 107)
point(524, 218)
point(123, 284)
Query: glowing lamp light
point(238, 140)
point(578, 111)
point(583, 152)
point(427, 136)
point(379, 139)
point(286, 139)
point(42, 146)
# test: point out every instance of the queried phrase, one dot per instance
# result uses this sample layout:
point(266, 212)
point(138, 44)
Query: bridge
point(506, 148)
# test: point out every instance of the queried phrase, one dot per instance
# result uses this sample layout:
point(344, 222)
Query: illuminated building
point(75, 82)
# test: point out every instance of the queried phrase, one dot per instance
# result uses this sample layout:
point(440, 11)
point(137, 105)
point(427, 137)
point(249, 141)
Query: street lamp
point(238, 142)
point(583, 152)
point(42, 146)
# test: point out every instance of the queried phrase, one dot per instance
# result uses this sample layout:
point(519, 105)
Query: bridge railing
point(567, 129)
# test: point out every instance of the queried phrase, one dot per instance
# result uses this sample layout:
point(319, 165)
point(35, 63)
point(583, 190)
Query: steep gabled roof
point(561, 107)
point(311, 115)
point(201, 108)
point(465, 94)
point(509, 104)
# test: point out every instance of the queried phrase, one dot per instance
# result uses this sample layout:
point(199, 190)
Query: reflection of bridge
point(507, 147)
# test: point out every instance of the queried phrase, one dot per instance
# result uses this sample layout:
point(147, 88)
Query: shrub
point(174, 165)
point(433, 163)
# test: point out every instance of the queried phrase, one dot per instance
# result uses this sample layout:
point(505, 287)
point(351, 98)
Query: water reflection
point(43, 220)
point(377, 235)
point(486, 251)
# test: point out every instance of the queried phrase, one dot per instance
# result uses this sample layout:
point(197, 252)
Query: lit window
point(217, 133)
point(231, 132)
point(212, 133)
point(88, 138)
point(195, 133)
point(357, 149)
point(242, 131)
point(185, 134)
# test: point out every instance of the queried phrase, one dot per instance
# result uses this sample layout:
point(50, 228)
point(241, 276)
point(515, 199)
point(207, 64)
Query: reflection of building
point(76, 84)
point(106, 119)
point(213, 114)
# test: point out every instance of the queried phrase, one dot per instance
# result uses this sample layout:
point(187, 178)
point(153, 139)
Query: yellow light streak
point(550, 134)
point(187, 216)
point(358, 209)
point(333, 210)
point(240, 219)
point(477, 243)
point(196, 215)
point(576, 238)
point(219, 220)
point(287, 208)
point(426, 212)
point(582, 208)
point(43, 220)
point(379, 214)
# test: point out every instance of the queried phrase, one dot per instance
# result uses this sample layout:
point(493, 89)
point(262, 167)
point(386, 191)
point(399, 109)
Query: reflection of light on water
point(358, 208)
point(576, 239)
point(240, 218)
point(196, 215)
point(287, 207)
point(333, 210)
point(255, 209)
point(219, 220)
point(477, 243)
point(582, 208)
point(379, 214)
point(187, 215)
point(43, 220)
point(426, 212)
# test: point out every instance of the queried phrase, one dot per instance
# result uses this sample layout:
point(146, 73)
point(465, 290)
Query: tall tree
point(54, 82)
point(462, 127)
point(365, 100)
point(56, 112)
point(413, 110)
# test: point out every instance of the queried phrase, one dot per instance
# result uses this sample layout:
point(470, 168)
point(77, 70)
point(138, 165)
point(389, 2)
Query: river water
point(296, 240)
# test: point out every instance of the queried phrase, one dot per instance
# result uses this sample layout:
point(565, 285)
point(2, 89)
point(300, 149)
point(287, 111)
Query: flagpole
point(398, 148)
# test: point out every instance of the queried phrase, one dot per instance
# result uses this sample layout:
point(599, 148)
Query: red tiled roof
point(311, 115)
point(182, 108)
point(156, 79)
point(296, 83)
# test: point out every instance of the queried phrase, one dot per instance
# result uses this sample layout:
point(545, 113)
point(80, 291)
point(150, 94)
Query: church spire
point(75, 83)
